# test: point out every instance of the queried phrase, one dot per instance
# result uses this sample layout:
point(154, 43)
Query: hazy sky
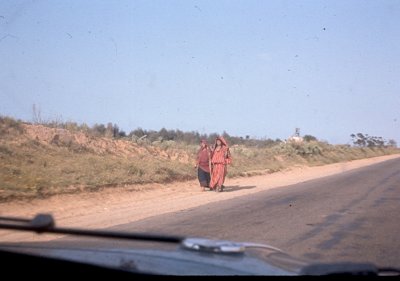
point(258, 68)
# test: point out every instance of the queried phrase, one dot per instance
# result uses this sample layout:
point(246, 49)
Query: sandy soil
point(120, 205)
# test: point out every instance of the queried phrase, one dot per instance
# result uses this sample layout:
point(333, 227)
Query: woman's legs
point(217, 177)
point(204, 179)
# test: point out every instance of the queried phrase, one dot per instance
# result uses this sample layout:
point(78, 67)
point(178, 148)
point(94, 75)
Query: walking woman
point(203, 165)
point(221, 156)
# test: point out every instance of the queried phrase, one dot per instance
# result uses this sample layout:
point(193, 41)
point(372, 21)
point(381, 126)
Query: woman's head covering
point(204, 141)
point(221, 138)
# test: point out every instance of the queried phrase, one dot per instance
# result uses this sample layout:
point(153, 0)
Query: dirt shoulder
point(120, 205)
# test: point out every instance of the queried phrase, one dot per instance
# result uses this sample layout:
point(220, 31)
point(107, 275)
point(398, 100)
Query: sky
point(246, 67)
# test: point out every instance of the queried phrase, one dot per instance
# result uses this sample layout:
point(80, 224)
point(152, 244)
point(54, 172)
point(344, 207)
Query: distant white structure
point(296, 137)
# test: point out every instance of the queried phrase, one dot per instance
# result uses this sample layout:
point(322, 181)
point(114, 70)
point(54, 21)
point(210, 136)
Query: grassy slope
point(35, 168)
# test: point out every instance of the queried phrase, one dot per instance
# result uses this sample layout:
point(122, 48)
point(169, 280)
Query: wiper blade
point(388, 271)
point(44, 223)
point(341, 268)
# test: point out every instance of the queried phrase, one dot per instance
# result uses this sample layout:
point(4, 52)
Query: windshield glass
point(271, 122)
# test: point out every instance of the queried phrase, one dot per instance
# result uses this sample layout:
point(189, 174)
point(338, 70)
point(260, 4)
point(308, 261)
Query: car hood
point(153, 258)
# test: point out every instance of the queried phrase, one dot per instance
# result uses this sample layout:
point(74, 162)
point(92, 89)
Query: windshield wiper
point(44, 223)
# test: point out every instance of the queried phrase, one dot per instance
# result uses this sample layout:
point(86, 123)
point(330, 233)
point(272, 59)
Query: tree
point(362, 140)
point(309, 138)
point(139, 132)
point(359, 139)
point(392, 143)
point(98, 130)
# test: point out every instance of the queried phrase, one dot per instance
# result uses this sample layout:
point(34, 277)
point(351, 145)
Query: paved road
point(353, 216)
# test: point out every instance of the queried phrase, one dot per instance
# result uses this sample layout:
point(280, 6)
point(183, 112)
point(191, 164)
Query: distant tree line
point(195, 137)
point(113, 131)
point(364, 140)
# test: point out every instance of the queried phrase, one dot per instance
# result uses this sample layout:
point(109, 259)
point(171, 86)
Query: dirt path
point(121, 205)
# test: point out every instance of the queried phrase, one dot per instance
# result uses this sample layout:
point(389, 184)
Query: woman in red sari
point(203, 165)
point(220, 158)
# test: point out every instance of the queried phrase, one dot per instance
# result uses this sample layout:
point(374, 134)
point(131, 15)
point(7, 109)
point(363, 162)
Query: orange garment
point(219, 160)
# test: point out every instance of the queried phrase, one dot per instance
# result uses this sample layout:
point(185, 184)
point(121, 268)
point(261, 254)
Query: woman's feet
point(217, 188)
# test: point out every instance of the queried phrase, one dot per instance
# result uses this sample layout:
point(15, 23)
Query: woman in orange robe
point(220, 158)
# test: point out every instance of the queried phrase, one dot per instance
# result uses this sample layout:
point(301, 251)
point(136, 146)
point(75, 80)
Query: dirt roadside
point(120, 205)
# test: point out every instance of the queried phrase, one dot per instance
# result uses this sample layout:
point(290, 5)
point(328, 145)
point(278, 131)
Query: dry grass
point(41, 172)
point(31, 167)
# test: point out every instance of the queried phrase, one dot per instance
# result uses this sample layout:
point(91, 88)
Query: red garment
point(223, 156)
point(203, 157)
point(219, 160)
point(218, 175)
point(219, 157)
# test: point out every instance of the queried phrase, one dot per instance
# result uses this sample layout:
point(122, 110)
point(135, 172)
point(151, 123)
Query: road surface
point(353, 216)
